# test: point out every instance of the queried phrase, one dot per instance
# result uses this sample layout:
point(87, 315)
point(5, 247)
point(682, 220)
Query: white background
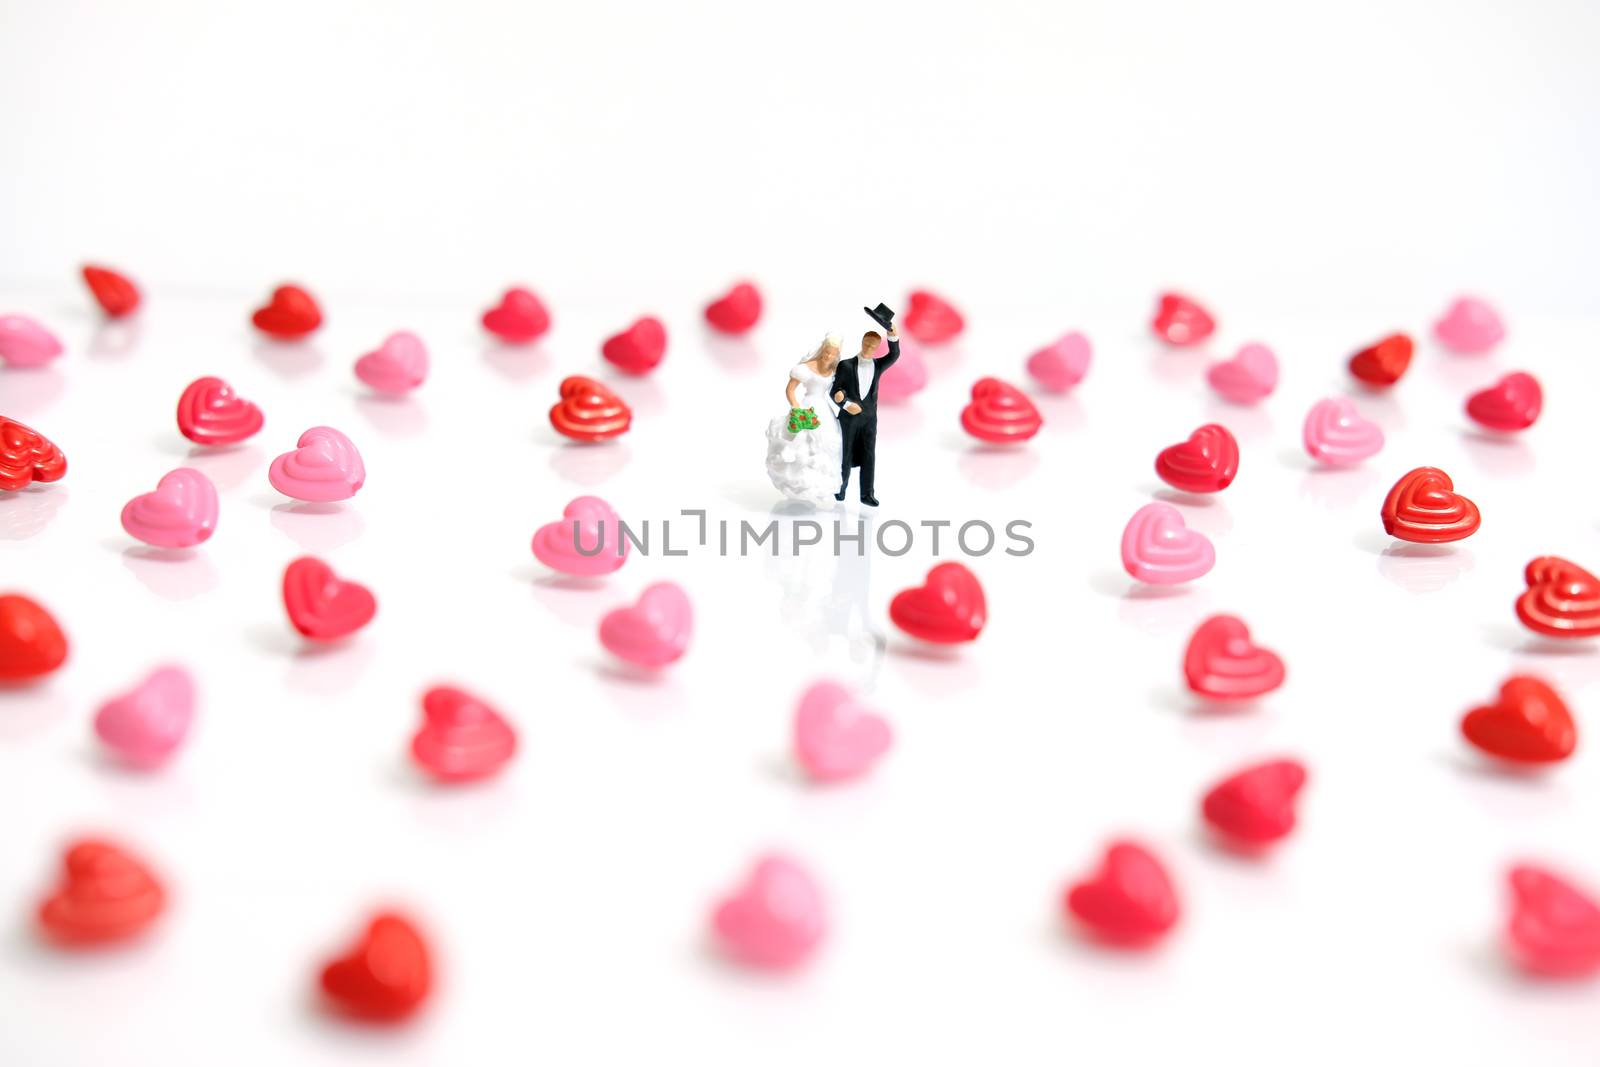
point(1320, 175)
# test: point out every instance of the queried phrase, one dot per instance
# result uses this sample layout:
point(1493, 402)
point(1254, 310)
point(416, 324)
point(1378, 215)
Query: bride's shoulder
point(803, 371)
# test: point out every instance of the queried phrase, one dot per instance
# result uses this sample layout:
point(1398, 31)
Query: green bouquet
point(802, 419)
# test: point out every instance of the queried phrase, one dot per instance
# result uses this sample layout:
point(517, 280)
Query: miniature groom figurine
point(855, 389)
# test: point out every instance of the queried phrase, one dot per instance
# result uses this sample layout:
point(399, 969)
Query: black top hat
point(881, 315)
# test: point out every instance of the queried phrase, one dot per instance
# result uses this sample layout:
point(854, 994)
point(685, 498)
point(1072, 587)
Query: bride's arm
point(789, 392)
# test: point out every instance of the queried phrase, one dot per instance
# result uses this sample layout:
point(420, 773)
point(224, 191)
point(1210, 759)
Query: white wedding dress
point(806, 465)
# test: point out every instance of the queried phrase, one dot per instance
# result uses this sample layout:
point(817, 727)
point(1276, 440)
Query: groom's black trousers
point(859, 435)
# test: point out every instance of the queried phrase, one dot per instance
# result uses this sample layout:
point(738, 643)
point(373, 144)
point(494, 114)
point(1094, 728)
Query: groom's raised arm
point(886, 362)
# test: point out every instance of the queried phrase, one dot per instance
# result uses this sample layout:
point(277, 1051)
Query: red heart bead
point(1129, 901)
point(105, 895)
point(639, 348)
point(588, 411)
point(1512, 403)
point(26, 456)
point(1528, 724)
point(115, 293)
point(1180, 321)
point(1562, 599)
point(1205, 463)
point(1221, 662)
point(1000, 413)
point(947, 608)
point(1255, 806)
point(292, 313)
point(1384, 362)
point(211, 413)
point(520, 317)
point(320, 604)
point(1555, 926)
point(932, 319)
point(386, 974)
point(462, 738)
point(1423, 507)
point(736, 311)
point(31, 644)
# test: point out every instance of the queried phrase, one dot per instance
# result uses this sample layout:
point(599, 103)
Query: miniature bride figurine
point(803, 447)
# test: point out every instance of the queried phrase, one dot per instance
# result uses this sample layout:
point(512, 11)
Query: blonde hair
point(834, 341)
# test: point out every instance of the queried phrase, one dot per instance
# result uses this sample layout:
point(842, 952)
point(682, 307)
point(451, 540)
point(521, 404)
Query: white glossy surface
point(1048, 177)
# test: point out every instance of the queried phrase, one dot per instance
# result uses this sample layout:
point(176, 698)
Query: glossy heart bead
point(586, 541)
point(25, 343)
point(1529, 723)
point(1255, 807)
point(909, 378)
point(462, 739)
point(31, 643)
point(835, 738)
point(1000, 413)
point(291, 314)
point(321, 605)
point(1469, 327)
point(211, 413)
point(1382, 364)
point(931, 319)
point(948, 608)
point(145, 725)
point(324, 466)
point(1424, 507)
point(736, 311)
point(1059, 366)
point(1512, 403)
point(1250, 376)
point(27, 456)
point(113, 291)
point(775, 919)
point(1205, 463)
point(1180, 321)
point(652, 632)
point(385, 976)
point(180, 512)
point(1129, 901)
point(1554, 929)
point(1158, 548)
point(639, 348)
point(1336, 435)
point(1562, 599)
point(520, 317)
point(589, 411)
point(1222, 662)
point(106, 895)
point(397, 366)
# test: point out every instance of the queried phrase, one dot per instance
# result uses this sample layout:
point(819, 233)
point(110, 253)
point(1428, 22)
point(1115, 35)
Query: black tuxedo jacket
point(844, 379)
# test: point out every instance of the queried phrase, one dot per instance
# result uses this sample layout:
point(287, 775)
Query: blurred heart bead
point(652, 632)
point(25, 343)
point(775, 919)
point(586, 541)
point(1336, 435)
point(1128, 901)
point(1180, 321)
point(1469, 327)
point(1513, 403)
point(1250, 376)
point(180, 512)
point(1059, 366)
point(1554, 928)
point(835, 737)
point(397, 366)
point(106, 895)
point(145, 725)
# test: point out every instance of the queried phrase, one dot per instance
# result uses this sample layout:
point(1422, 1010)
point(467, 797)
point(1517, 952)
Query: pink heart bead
point(25, 343)
point(834, 737)
point(909, 376)
point(653, 632)
point(1060, 366)
point(776, 919)
point(324, 466)
point(1158, 548)
point(397, 366)
point(181, 511)
point(586, 541)
point(145, 725)
point(1251, 375)
point(1337, 436)
point(1470, 327)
